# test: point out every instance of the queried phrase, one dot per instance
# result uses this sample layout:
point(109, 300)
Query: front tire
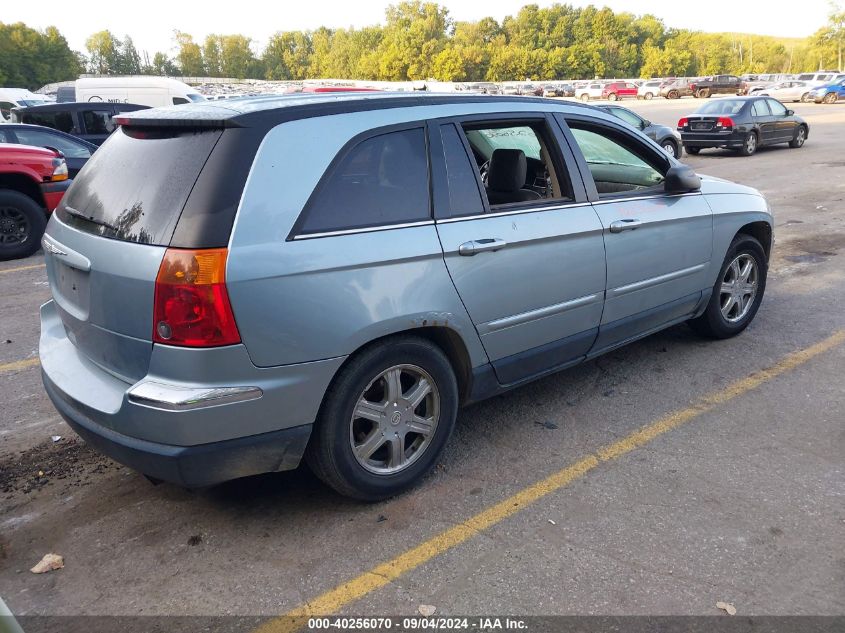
point(830, 97)
point(670, 147)
point(799, 138)
point(805, 97)
point(585, 97)
point(673, 94)
point(22, 223)
point(385, 420)
point(612, 96)
point(648, 96)
point(704, 93)
point(738, 290)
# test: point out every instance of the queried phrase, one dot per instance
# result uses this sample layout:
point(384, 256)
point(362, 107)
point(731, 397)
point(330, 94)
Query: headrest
point(507, 170)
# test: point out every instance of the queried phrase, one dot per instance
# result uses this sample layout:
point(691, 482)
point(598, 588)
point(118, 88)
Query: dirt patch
point(69, 462)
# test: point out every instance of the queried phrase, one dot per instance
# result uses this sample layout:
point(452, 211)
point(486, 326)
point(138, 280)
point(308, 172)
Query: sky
point(151, 23)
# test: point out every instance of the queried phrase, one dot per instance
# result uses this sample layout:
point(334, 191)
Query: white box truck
point(142, 90)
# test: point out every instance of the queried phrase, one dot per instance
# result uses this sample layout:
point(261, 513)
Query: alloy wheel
point(739, 288)
point(395, 419)
point(14, 226)
point(669, 148)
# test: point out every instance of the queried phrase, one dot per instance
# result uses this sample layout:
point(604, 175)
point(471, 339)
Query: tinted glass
point(39, 138)
point(179, 100)
point(134, 187)
point(464, 197)
point(382, 180)
point(98, 121)
point(5, 136)
point(616, 166)
point(62, 121)
point(627, 116)
point(758, 108)
point(777, 108)
point(722, 106)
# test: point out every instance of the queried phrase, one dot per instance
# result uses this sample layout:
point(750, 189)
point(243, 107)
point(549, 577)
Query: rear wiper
point(82, 216)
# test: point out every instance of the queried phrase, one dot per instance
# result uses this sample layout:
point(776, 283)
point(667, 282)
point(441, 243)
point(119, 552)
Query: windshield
point(523, 138)
point(194, 96)
point(31, 102)
point(722, 106)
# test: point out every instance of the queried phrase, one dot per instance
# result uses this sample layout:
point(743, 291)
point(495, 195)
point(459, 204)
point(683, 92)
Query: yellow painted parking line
point(18, 365)
point(333, 600)
point(21, 268)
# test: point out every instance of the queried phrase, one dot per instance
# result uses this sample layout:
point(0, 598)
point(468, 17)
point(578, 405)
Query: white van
point(17, 97)
point(142, 90)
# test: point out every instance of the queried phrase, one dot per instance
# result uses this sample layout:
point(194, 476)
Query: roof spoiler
point(179, 117)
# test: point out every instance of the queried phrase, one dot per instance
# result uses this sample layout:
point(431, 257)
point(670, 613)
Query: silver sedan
point(788, 91)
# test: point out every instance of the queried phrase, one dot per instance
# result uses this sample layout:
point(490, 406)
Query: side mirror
point(790, 112)
point(644, 124)
point(681, 179)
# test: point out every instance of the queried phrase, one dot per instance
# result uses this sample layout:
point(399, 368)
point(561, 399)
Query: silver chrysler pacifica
point(238, 286)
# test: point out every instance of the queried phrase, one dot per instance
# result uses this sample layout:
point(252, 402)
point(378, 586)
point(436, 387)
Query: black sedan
point(75, 150)
point(743, 124)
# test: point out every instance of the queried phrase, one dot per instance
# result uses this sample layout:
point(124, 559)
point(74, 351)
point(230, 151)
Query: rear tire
point(648, 96)
point(714, 322)
point(799, 138)
point(612, 96)
point(22, 223)
point(585, 97)
point(805, 97)
point(749, 144)
point(692, 150)
point(830, 97)
point(338, 453)
point(704, 93)
point(673, 94)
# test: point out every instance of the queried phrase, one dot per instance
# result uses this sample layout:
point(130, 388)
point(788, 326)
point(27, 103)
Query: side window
point(758, 108)
point(70, 149)
point(180, 100)
point(618, 165)
point(629, 117)
point(6, 109)
point(777, 108)
point(464, 197)
point(5, 137)
point(383, 180)
point(98, 121)
point(515, 161)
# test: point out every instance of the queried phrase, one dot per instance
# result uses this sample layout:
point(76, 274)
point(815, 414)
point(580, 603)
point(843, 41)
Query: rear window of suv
point(134, 187)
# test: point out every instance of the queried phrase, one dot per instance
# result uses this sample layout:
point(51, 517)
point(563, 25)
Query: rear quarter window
point(382, 180)
point(135, 186)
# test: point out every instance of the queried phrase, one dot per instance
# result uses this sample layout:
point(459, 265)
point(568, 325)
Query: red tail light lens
point(191, 306)
point(683, 122)
point(725, 122)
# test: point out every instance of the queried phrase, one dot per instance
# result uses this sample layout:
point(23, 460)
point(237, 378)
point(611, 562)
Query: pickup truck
point(32, 183)
point(716, 85)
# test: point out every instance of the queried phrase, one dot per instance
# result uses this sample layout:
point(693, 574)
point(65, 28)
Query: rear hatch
point(104, 245)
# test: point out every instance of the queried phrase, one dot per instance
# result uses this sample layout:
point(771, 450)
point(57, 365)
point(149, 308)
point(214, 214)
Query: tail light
point(682, 122)
point(191, 306)
point(725, 122)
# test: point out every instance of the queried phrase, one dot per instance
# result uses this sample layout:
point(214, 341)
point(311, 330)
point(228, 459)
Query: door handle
point(467, 249)
point(628, 224)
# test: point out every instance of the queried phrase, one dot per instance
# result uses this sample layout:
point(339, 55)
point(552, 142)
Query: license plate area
point(701, 126)
point(71, 289)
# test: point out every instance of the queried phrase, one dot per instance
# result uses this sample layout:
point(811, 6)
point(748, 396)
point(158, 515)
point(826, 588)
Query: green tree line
point(419, 40)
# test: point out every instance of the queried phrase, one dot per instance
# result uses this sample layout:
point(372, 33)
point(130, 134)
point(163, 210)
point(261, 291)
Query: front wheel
point(670, 147)
point(805, 97)
point(738, 291)
point(585, 97)
point(830, 97)
point(648, 96)
point(385, 420)
point(22, 223)
point(704, 93)
point(799, 138)
point(673, 94)
point(749, 144)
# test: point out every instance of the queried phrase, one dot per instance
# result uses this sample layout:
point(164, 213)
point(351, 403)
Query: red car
point(32, 183)
point(619, 90)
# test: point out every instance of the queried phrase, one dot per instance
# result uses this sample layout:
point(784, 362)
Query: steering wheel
point(483, 169)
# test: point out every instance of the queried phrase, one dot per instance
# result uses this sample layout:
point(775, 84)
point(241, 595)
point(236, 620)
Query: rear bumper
point(189, 466)
point(198, 417)
point(712, 139)
point(53, 192)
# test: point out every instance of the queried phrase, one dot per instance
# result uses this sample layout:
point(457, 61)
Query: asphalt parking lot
point(659, 479)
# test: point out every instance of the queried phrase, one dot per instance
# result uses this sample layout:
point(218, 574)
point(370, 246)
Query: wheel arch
point(761, 231)
point(22, 183)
